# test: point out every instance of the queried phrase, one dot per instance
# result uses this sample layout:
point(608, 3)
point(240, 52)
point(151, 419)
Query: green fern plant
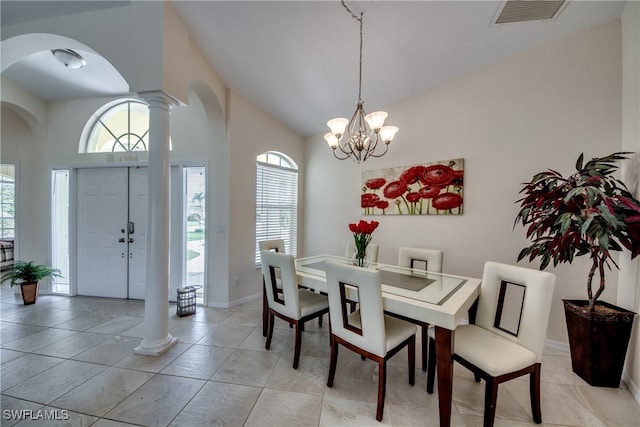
point(27, 272)
point(588, 213)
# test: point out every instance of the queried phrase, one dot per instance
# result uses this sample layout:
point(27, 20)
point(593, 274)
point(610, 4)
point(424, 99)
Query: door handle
point(130, 239)
point(121, 240)
point(130, 228)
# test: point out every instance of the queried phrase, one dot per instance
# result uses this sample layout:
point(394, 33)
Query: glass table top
point(433, 288)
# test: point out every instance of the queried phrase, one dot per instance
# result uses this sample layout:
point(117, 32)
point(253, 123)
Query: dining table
point(442, 300)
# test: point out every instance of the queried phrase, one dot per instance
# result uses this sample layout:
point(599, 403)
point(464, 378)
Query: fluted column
point(157, 339)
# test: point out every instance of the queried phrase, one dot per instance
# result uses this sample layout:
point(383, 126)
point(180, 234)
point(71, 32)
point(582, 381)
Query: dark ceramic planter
point(598, 342)
point(29, 292)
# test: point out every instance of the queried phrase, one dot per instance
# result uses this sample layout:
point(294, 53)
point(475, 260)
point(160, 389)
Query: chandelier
point(364, 131)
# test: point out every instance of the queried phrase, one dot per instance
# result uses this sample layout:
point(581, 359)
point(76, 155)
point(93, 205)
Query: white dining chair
point(276, 245)
point(508, 336)
point(367, 331)
point(372, 251)
point(294, 305)
point(421, 258)
point(424, 260)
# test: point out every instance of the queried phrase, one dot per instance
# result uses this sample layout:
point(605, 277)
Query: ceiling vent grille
point(529, 10)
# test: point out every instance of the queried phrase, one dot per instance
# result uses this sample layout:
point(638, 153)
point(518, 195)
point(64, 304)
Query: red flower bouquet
point(362, 236)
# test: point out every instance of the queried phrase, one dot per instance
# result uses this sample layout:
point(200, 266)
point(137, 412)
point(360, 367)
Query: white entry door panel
point(102, 267)
point(137, 240)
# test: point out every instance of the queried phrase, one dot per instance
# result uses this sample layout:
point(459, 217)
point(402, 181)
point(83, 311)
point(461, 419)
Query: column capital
point(159, 98)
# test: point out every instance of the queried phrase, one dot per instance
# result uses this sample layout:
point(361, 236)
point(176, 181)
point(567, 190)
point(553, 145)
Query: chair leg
point(265, 311)
point(411, 350)
point(382, 386)
point(296, 353)
point(424, 338)
point(431, 370)
point(333, 362)
point(534, 387)
point(270, 322)
point(490, 398)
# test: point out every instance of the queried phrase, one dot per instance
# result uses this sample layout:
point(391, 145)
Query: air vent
point(529, 10)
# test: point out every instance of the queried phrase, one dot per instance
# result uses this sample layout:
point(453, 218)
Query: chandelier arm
point(373, 142)
point(386, 147)
point(340, 158)
point(346, 147)
point(350, 153)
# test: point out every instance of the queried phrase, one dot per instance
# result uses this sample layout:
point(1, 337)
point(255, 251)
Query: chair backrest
point(515, 303)
point(272, 245)
point(370, 333)
point(419, 258)
point(372, 251)
point(288, 303)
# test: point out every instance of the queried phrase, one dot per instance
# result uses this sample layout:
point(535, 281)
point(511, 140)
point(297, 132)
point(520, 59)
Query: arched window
point(122, 126)
point(276, 200)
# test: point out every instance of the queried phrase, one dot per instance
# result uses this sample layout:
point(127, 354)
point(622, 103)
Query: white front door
point(112, 232)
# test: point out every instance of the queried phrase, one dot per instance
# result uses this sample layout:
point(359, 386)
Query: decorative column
point(157, 339)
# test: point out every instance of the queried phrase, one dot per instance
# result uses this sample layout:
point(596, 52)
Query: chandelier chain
point(360, 19)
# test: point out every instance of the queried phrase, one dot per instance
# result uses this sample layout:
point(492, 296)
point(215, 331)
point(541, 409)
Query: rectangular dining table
point(439, 299)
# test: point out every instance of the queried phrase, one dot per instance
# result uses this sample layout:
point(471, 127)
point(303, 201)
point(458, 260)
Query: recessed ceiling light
point(69, 58)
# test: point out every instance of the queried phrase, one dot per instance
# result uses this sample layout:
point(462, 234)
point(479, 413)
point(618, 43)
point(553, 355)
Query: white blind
point(276, 206)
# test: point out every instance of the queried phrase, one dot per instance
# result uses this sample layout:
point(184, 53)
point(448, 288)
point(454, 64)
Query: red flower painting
point(425, 189)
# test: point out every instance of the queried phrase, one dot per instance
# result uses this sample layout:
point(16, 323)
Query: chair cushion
point(490, 352)
point(396, 330)
point(310, 302)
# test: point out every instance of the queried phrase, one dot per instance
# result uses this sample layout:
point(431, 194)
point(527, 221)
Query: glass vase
point(361, 259)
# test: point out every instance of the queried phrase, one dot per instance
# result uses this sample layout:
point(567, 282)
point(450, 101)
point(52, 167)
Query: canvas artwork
point(426, 189)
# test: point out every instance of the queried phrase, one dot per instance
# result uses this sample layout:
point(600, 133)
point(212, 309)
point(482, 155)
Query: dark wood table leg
point(444, 365)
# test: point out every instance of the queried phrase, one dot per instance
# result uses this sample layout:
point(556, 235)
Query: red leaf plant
point(589, 213)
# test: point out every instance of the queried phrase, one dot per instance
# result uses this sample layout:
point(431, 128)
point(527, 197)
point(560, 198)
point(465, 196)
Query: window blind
point(276, 206)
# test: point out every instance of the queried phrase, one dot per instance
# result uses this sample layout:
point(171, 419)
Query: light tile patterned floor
point(75, 356)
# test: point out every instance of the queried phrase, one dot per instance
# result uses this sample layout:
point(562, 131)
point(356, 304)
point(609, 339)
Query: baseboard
point(234, 303)
point(557, 345)
point(633, 387)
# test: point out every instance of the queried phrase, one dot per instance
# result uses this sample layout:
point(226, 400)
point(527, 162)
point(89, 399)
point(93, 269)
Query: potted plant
point(28, 275)
point(588, 213)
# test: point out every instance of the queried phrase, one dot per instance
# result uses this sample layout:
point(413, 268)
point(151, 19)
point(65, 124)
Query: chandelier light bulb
point(331, 140)
point(338, 126)
point(387, 133)
point(376, 120)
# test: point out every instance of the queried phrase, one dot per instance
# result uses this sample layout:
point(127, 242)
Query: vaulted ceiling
point(298, 60)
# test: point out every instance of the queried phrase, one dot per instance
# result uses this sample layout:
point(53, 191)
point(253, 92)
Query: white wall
point(252, 132)
point(19, 143)
point(535, 111)
point(629, 285)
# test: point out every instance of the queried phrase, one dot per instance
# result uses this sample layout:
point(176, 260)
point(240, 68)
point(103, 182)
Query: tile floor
point(73, 357)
